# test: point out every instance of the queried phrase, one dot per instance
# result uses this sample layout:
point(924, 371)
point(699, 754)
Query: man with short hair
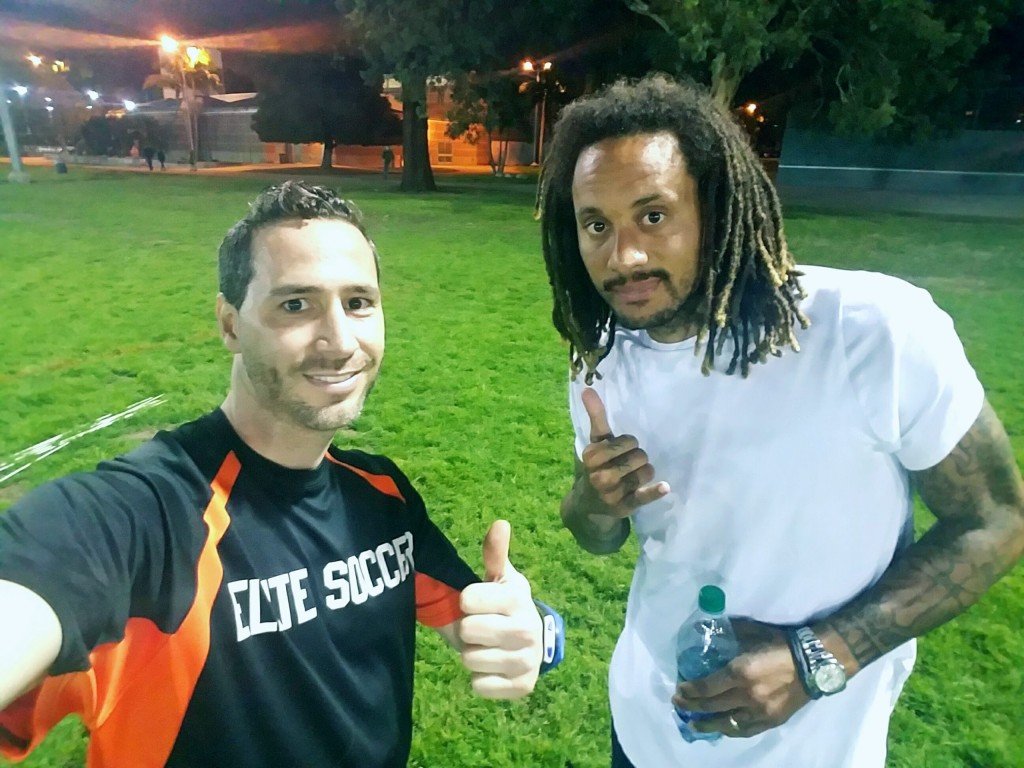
point(239, 591)
point(763, 426)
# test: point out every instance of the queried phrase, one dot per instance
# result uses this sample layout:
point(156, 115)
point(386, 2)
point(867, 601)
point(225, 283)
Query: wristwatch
point(820, 671)
point(553, 637)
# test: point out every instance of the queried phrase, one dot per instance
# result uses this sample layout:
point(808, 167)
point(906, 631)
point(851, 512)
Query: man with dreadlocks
point(762, 426)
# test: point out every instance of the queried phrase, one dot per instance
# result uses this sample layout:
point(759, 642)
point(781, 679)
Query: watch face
point(830, 678)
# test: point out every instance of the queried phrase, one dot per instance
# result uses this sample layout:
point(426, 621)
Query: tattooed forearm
point(977, 496)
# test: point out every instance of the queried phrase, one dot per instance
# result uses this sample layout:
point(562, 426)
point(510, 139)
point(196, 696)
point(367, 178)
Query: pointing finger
point(599, 427)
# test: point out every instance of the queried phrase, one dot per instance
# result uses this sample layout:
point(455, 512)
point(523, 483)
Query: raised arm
point(977, 495)
point(29, 641)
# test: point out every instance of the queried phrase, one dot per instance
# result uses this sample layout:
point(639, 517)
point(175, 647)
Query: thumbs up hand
point(501, 632)
point(616, 467)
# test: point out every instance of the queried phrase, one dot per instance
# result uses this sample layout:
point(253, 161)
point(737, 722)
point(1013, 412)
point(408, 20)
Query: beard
point(269, 390)
point(682, 313)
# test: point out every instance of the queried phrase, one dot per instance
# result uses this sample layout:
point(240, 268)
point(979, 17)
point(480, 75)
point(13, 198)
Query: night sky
point(124, 68)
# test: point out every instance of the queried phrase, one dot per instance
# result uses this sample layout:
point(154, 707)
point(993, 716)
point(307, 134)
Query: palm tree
point(191, 74)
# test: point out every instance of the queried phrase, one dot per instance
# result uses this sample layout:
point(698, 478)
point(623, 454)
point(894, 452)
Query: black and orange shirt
point(221, 610)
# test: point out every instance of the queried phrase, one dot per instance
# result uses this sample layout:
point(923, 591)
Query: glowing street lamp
point(93, 95)
point(36, 60)
point(537, 69)
point(21, 90)
point(191, 57)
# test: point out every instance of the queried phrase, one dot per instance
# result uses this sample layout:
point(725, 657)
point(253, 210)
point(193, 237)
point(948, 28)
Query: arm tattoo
point(977, 496)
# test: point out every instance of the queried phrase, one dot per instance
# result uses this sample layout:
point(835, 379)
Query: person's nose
point(628, 253)
point(336, 333)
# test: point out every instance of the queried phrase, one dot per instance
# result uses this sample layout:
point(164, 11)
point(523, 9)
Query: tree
point(873, 64)
point(413, 40)
point(487, 108)
point(322, 98)
point(191, 74)
point(114, 136)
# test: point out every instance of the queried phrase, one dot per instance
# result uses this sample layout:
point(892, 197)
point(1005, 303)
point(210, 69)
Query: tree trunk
point(326, 160)
point(502, 155)
point(490, 154)
point(724, 86)
point(416, 173)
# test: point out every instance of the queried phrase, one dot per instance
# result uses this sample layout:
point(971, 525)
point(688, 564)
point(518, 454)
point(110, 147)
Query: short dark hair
point(282, 202)
point(747, 286)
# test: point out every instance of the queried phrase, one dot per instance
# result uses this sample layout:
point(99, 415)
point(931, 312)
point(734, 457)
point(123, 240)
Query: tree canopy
point(413, 40)
point(868, 66)
point(322, 98)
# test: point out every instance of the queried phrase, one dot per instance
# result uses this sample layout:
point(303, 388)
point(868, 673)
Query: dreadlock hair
point(291, 200)
point(747, 282)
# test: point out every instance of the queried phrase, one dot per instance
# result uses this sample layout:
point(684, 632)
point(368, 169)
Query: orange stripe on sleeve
point(135, 694)
point(383, 483)
point(437, 604)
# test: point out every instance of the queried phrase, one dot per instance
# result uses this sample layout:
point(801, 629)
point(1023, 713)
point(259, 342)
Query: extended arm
point(29, 641)
point(977, 496)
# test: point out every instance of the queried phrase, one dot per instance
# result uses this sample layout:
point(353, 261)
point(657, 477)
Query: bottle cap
point(711, 599)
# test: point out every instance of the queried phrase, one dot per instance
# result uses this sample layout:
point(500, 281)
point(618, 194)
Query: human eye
point(293, 306)
point(359, 304)
point(595, 227)
point(654, 217)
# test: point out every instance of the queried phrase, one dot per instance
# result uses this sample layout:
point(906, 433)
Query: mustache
point(328, 364)
point(615, 282)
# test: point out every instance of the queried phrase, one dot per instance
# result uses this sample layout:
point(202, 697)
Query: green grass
point(106, 297)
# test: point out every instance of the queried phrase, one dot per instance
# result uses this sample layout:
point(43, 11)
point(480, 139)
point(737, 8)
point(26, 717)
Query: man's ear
point(227, 319)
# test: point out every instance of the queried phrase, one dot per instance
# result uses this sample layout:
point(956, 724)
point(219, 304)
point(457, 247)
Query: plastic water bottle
point(706, 643)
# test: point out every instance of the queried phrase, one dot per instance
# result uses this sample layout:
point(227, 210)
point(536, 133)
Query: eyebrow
point(291, 290)
point(636, 204)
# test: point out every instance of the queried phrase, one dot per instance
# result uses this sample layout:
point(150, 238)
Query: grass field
point(106, 297)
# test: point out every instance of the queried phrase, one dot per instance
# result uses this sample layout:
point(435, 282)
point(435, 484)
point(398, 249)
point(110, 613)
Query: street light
point(537, 69)
point(192, 54)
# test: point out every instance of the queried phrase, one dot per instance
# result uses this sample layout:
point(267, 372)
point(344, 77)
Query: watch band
point(553, 637)
point(802, 666)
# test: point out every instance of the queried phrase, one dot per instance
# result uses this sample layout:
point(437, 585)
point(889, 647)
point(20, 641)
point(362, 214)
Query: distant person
point(161, 156)
point(762, 425)
point(239, 591)
point(388, 156)
point(147, 153)
point(133, 151)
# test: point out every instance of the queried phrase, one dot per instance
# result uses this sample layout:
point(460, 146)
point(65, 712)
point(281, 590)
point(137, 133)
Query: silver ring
point(733, 723)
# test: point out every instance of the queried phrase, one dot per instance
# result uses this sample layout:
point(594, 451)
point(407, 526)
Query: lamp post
point(540, 109)
point(170, 45)
point(17, 173)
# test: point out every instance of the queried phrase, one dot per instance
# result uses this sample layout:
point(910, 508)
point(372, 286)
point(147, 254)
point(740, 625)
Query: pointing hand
point(617, 467)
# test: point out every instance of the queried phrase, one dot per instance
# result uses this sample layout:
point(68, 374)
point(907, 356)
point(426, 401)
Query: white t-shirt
point(790, 489)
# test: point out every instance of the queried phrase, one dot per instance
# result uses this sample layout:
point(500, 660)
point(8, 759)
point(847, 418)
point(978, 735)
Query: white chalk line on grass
point(24, 459)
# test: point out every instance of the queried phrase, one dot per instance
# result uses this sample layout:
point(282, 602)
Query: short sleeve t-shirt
point(220, 609)
point(791, 490)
